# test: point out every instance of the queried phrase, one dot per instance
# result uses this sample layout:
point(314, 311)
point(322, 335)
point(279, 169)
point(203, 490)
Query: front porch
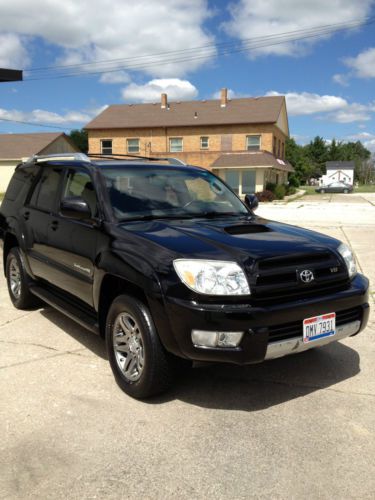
point(248, 173)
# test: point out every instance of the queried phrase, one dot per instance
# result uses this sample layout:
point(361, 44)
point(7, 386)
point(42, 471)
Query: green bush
point(290, 189)
point(293, 181)
point(265, 195)
point(270, 186)
point(280, 191)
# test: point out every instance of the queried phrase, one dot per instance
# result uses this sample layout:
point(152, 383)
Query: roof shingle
point(252, 159)
point(190, 113)
point(17, 146)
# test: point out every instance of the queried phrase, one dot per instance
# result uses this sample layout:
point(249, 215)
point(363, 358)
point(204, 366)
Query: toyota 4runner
point(167, 264)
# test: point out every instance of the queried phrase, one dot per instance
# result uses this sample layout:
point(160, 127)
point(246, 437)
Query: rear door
point(37, 215)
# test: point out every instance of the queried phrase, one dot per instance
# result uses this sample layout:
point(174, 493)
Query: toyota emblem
point(306, 276)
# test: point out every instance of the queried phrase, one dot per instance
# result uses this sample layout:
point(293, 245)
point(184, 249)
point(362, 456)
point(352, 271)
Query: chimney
point(224, 97)
point(164, 101)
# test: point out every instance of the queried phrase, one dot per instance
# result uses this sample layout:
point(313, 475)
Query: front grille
point(278, 279)
point(295, 328)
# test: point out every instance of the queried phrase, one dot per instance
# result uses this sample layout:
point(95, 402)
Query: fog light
point(202, 338)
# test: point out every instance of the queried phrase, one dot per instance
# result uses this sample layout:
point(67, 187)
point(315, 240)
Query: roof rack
point(87, 158)
point(63, 156)
point(170, 160)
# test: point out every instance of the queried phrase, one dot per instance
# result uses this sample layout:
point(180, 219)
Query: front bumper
point(258, 323)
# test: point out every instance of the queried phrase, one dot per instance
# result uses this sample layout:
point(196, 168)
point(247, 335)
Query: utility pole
point(10, 75)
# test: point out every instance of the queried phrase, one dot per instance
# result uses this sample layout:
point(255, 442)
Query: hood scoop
point(247, 229)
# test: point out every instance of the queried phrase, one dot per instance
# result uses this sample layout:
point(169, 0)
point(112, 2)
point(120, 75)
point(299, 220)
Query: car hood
point(243, 239)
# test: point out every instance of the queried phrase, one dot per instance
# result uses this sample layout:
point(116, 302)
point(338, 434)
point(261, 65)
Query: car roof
point(81, 159)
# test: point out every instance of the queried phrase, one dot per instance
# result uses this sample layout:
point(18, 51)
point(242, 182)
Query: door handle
point(54, 225)
point(26, 215)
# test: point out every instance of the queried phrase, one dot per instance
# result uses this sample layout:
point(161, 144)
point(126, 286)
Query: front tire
point(17, 281)
point(140, 364)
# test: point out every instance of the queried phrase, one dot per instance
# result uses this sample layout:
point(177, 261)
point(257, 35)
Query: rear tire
point(18, 282)
point(322, 191)
point(140, 364)
point(346, 191)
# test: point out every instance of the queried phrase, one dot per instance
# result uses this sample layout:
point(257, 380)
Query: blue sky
point(156, 46)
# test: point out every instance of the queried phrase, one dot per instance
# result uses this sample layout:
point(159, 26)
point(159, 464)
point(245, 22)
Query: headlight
point(349, 259)
point(212, 277)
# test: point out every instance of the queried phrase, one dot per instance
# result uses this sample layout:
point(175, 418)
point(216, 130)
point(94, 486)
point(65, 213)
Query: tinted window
point(168, 192)
point(46, 190)
point(78, 183)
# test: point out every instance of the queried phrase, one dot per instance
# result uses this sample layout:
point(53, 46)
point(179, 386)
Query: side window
point(79, 183)
point(46, 190)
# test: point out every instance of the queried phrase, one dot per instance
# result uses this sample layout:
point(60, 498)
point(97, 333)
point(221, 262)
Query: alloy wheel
point(128, 346)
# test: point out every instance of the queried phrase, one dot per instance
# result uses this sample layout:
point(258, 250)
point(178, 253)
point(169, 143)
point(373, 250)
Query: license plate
point(319, 327)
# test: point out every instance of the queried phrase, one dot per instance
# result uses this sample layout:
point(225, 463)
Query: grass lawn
point(309, 189)
point(365, 188)
point(368, 188)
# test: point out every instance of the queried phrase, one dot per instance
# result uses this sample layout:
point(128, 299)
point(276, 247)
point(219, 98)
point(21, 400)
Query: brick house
point(242, 140)
point(15, 148)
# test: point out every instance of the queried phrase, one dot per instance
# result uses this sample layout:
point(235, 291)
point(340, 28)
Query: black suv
point(167, 264)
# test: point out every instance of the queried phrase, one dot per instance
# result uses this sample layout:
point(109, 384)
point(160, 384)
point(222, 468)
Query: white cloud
point(334, 108)
point(305, 103)
point(354, 112)
point(115, 77)
point(364, 64)
point(341, 79)
point(177, 90)
point(88, 31)
point(50, 117)
point(367, 139)
point(257, 18)
point(13, 54)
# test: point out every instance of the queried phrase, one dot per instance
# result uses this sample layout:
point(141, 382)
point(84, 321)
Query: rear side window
point(22, 178)
point(46, 190)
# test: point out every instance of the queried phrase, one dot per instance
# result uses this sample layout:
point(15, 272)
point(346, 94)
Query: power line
point(327, 27)
point(187, 55)
point(33, 123)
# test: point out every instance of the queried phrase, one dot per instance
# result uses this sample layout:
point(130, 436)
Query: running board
point(81, 317)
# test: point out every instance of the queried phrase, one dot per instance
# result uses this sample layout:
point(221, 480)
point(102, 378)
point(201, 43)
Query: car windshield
point(150, 192)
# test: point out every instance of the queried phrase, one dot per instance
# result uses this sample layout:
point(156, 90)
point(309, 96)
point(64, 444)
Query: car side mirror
point(251, 201)
point(75, 207)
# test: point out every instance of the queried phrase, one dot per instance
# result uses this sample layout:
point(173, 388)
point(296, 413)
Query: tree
point(335, 151)
point(318, 154)
point(296, 156)
point(80, 139)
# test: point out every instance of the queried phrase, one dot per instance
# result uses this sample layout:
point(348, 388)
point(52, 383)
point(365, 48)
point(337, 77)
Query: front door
point(73, 243)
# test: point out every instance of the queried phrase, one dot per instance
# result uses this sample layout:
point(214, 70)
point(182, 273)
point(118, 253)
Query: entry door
point(232, 177)
point(248, 182)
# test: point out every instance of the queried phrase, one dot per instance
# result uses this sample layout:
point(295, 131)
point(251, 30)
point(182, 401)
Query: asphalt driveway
point(297, 427)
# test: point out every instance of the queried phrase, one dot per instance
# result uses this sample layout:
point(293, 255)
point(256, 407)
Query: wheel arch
point(111, 287)
point(10, 241)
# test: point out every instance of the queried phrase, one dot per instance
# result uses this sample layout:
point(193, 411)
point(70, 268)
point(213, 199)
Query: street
point(297, 427)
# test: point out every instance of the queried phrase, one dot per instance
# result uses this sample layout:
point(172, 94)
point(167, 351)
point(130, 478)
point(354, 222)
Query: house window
point(204, 143)
point(175, 144)
point(274, 145)
point(106, 146)
point(253, 142)
point(132, 145)
point(282, 150)
point(278, 148)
